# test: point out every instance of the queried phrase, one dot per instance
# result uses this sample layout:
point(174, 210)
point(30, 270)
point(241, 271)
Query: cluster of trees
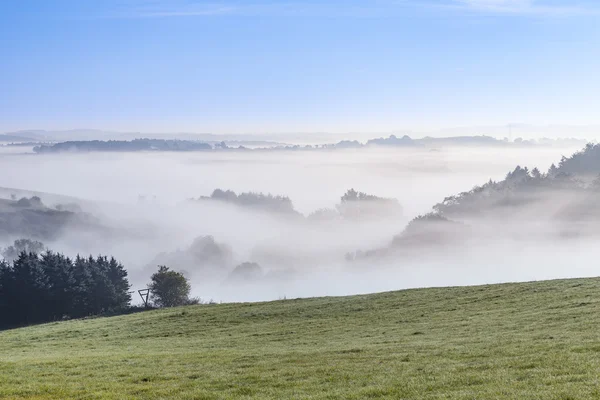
point(204, 255)
point(353, 205)
point(393, 141)
point(574, 184)
point(32, 202)
point(431, 229)
point(30, 217)
point(359, 205)
point(583, 163)
point(38, 285)
point(520, 187)
point(45, 287)
point(256, 201)
point(579, 173)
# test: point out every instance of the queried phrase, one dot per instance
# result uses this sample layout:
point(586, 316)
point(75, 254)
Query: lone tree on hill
point(169, 288)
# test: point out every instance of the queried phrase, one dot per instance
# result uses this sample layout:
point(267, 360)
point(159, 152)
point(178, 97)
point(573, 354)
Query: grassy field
point(514, 341)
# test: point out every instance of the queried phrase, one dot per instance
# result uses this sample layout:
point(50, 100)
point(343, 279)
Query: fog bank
point(141, 213)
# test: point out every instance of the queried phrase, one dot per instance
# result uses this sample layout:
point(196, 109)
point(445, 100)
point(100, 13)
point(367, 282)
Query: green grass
point(514, 341)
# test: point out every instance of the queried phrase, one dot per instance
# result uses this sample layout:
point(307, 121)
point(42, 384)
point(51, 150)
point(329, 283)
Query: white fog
point(140, 199)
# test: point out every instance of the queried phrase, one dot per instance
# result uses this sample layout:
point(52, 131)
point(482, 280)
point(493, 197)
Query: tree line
point(48, 287)
point(124, 145)
point(38, 285)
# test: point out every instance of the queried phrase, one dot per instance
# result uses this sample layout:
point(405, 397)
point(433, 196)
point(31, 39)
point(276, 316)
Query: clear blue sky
point(297, 66)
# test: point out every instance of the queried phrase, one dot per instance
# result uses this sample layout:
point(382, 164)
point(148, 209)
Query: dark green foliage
point(169, 288)
point(51, 287)
point(5, 288)
point(30, 289)
point(59, 272)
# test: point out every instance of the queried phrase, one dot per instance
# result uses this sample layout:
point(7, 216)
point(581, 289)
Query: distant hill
point(464, 141)
point(561, 203)
point(123, 146)
point(29, 217)
point(17, 139)
point(153, 144)
point(484, 136)
point(393, 141)
point(77, 135)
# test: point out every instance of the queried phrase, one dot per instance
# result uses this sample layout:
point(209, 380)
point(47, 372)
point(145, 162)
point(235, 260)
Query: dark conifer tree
point(82, 277)
point(61, 283)
point(118, 277)
point(31, 289)
point(7, 314)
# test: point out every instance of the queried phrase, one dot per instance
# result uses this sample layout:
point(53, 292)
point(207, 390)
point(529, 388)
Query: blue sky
point(297, 66)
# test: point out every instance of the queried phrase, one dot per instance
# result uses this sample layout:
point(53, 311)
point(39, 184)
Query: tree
point(247, 271)
point(59, 272)
point(6, 293)
point(30, 291)
point(22, 245)
point(81, 287)
point(169, 288)
point(118, 277)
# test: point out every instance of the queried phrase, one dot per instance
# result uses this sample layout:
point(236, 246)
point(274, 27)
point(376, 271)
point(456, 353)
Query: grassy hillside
point(514, 341)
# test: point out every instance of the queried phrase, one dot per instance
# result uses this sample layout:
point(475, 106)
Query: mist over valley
point(247, 226)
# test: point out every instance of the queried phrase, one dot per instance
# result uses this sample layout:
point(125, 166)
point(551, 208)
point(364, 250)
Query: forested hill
point(577, 176)
point(562, 202)
point(31, 218)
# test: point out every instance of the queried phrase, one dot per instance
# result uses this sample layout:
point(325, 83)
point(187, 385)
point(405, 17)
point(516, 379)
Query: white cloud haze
point(299, 258)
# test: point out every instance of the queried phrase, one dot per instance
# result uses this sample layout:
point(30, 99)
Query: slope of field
point(513, 341)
